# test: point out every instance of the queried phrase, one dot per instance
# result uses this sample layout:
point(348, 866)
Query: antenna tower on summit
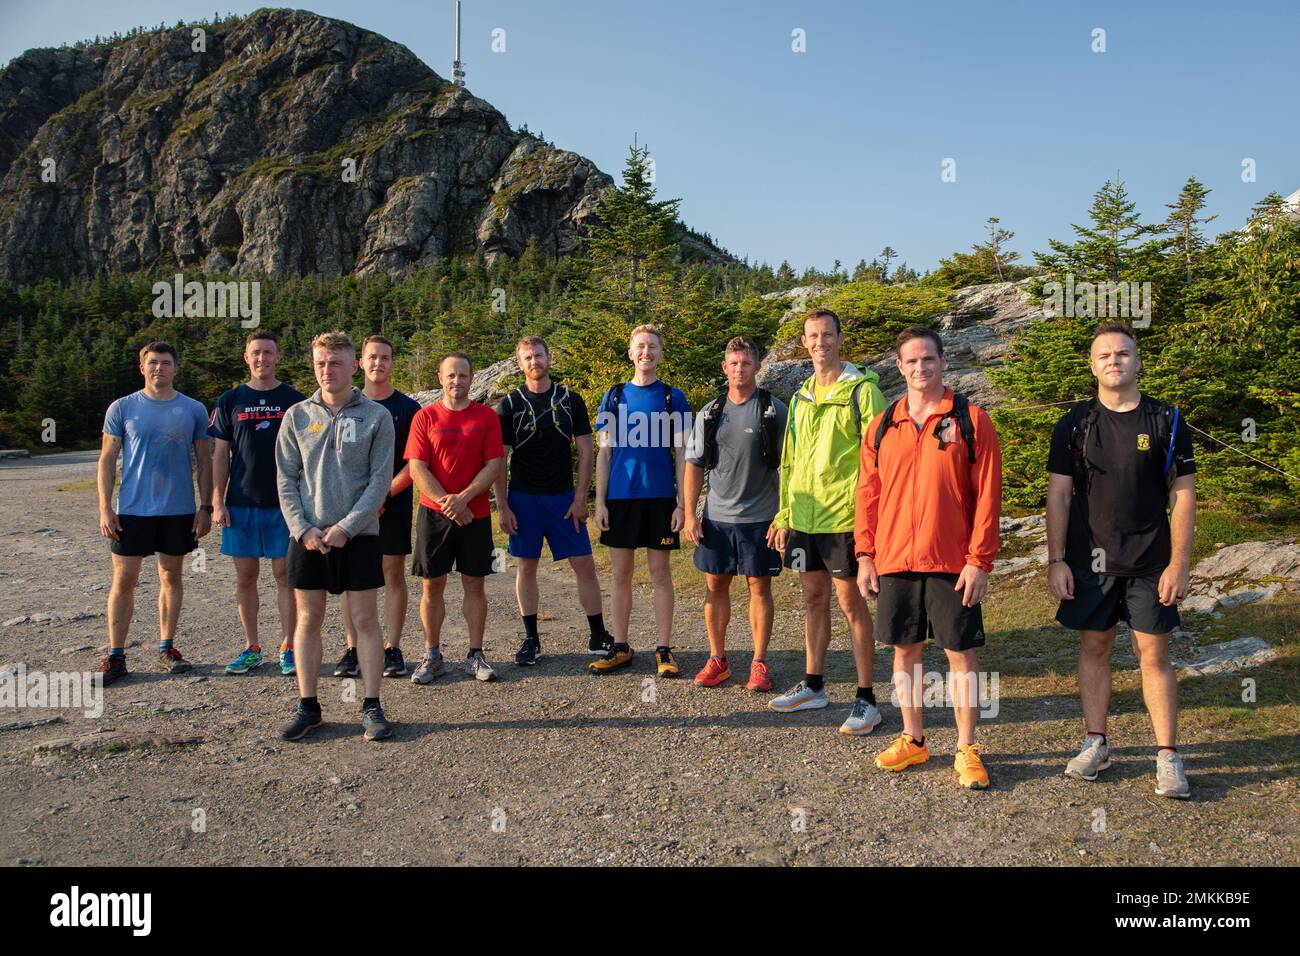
point(457, 67)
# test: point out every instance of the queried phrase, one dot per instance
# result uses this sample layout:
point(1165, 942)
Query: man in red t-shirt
point(455, 452)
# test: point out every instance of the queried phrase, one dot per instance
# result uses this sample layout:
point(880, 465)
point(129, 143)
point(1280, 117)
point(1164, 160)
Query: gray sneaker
point(862, 720)
point(1092, 759)
point(1171, 779)
point(428, 670)
point(799, 697)
point(478, 667)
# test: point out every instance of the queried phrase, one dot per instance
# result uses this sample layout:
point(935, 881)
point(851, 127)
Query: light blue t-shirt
point(157, 452)
point(643, 432)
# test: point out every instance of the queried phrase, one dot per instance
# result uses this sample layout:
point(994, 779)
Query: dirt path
point(550, 765)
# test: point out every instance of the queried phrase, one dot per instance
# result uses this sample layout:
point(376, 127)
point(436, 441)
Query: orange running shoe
point(970, 769)
point(715, 671)
point(902, 753)
point(759, 679)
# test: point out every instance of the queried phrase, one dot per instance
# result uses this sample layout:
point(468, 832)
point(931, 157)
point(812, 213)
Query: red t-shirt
point(456, 446)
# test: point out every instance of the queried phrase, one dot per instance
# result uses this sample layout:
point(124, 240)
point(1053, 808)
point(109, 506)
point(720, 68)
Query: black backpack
point(960, 411)
point(1162, 424)
point(770, 439)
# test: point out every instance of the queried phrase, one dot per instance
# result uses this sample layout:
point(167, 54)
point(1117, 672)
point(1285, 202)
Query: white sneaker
point(799, 697)
point(478, 667)
point(1092, 759)
point(863, 718)
point(1171, 778)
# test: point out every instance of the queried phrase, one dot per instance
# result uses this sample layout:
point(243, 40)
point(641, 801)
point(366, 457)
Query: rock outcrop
point(976, 333)
point(489, 384)
point(290, 143)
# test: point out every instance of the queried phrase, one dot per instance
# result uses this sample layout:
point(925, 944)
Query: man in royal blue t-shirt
point(244, 427)
point(639, 484)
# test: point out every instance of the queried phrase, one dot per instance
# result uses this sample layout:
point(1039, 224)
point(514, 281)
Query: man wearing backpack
point(540, 425)
point(736, 441)
point(1115, 551)
point(928, 502)
point(638, 487)
point(814, 522)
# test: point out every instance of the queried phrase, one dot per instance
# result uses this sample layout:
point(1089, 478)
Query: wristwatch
point(206, 508)
point(1060, 560)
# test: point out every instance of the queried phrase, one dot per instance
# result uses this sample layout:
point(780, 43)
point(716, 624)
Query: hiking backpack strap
point(857, 409)
point(1083, 415)
point(769, 439)
point(961, 411)
point(886, 422)
point(712, 415)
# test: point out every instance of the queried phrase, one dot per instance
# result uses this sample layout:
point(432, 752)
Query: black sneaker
point(600, 645)
point(301, 723)
point(394, 663)
point(113, 667)
point(347, 665)
point(374, 725)
point(529, 651)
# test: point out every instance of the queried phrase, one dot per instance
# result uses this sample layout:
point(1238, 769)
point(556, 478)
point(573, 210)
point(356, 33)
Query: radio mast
point(457, 67)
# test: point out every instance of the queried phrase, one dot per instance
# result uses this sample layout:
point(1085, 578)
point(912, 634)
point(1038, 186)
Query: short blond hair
point(649, 330)
point(333, 342)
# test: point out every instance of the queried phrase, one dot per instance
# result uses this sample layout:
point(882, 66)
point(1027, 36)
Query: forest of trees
point(1223, 343)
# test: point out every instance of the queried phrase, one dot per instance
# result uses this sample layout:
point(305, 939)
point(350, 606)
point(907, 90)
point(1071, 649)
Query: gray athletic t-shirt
point(742, 489)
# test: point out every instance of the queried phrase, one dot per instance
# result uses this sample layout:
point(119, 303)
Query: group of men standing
point(862, 499)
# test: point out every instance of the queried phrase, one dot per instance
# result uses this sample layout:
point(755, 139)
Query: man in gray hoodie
point(334, 459)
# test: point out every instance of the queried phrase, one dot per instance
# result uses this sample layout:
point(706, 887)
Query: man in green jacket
point(814, 526)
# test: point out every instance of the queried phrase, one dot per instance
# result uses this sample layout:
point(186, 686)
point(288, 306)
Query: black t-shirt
point(540, 430)
point(403, 408)
point(250, 420)
point(1125, 510)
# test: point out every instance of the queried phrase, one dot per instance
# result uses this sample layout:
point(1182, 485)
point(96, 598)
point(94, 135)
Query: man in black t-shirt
point(540, 423)
point(245, 424)
point(395, 517)
point(1113, 551)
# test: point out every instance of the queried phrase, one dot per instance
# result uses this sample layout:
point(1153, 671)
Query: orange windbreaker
point(926, 507)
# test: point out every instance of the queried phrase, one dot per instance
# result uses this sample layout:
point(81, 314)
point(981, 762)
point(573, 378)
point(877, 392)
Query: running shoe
point(477, 666)
point(902, 753)
point(619, 656)
point(1093, 758)
point(172, 662)
point(529, 652)
point(760, 679)
point(248, 660)
point(863, 718)
point(600, 644)
point(1171, 778)
point(347, 665)
point(799, 697)
point(715, 671)
point(394, 663)
point(301, 723)
point(374, 725)
point(428, 670)
point(113, 668)
point(288, 665)
point(970, 768)
point(665, 665)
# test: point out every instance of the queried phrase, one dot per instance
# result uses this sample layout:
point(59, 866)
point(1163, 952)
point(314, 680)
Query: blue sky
point(837, 151)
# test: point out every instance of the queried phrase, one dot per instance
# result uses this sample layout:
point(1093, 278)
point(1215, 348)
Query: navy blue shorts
point(542, 516)
point(727, 548)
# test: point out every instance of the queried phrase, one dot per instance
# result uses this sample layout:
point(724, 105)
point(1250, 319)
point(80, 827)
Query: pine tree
point(1185, 238)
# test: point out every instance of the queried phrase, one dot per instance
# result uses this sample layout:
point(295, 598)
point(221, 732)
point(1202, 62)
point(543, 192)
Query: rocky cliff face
point(238, 157)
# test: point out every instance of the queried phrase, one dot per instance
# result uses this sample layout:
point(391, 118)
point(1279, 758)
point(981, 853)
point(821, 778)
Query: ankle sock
point(433, 653)
point(814, 681)
point(164, 647)
point(597, 624)
point(867, 694)
point(311, 704)
point(530, 626)
point(369, 702)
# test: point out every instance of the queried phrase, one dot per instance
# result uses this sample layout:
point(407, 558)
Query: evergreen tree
point(1181, 225)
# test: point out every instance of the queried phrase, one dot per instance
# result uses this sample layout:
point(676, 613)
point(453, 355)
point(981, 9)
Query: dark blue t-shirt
point(643, 432)
point(403, 408)
point(250, 420)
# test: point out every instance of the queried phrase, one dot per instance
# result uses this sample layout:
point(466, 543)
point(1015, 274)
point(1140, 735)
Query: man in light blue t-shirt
point(159, 433)
point(638, 493)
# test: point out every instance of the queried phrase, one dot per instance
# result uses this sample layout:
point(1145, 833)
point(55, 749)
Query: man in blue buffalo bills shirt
point(159, 433)
point(246, 503)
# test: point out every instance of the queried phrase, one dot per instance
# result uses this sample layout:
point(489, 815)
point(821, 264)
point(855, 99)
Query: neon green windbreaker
point(821, 453)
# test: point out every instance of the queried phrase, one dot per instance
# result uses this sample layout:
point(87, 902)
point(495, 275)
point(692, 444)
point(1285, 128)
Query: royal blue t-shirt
point(157, 452)
point(250, 420)
point(642, 433)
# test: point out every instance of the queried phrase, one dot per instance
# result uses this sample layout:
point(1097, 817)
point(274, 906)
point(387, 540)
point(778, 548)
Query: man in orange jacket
point(926, 532)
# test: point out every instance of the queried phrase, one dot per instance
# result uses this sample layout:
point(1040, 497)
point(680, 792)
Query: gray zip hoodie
point(334, 469)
